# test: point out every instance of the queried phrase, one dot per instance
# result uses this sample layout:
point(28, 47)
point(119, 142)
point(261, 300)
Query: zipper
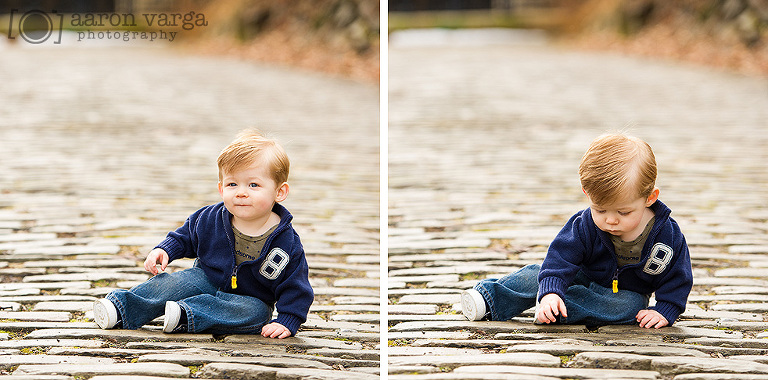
point(616, 281)
point(234, 278)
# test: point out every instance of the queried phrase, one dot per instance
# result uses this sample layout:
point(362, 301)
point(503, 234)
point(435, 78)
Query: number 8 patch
point(274, 264)
point(661, 255)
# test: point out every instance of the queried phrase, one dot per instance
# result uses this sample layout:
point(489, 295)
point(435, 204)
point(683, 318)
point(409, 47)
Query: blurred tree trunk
point(341, 24)
point(340, 37)
point(742, 20)
point(722, 33)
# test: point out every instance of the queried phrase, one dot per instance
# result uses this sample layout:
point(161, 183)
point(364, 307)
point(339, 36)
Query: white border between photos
point(383, 189)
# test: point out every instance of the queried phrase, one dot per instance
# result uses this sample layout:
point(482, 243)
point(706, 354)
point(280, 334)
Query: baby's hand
point(275, 330)
point(651, 318)
point(550, 306)
point(154, 257)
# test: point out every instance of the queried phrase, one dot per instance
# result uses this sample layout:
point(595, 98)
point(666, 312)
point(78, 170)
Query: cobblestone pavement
point(484, 145)
point(104, 150)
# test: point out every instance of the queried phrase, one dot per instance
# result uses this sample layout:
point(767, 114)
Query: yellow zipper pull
point(615, 285)
point(234, 282)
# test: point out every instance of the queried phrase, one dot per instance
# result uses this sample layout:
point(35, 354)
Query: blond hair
point(615, 166)
point(249, 147)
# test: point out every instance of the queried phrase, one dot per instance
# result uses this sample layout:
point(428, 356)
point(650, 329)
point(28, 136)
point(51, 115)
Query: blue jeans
point(586, 302)
point(207, 308)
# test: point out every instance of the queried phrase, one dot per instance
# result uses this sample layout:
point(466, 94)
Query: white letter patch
point(661, 255)
point(274, 264)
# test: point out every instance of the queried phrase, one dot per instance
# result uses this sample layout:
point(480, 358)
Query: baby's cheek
point(265, 204)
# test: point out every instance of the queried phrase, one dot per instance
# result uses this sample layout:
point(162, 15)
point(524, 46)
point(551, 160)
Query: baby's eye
point(254, 185)
point(600, 211)
point(231, 184)
point(624, 213)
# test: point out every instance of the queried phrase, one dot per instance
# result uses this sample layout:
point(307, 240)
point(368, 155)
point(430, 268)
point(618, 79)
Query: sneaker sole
point(468, 306)
point(172, 316)
point(101, 315)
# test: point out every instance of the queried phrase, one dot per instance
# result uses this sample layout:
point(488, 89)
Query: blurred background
point(731, 34)
point(339, 37)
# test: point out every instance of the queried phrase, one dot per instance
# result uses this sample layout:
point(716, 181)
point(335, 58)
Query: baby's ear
point(282, 192)
point(653, 197)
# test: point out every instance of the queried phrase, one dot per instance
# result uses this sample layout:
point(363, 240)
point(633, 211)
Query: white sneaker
point(472, 305)
point(172, 316)
point(104, 313)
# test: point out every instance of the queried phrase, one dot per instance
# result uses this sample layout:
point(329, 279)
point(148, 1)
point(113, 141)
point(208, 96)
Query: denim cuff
point(551, 285)
point(290, 321)
point(667, 310)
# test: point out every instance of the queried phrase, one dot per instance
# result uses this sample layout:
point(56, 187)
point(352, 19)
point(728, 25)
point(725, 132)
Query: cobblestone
point(484, 145)
point(89, 370)
point(105, 150)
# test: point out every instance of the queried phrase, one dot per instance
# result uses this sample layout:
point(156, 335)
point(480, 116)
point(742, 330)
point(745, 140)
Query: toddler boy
point(248, 257)
point(606, 261)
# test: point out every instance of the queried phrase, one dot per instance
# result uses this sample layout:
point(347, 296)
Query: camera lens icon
point(35, 26)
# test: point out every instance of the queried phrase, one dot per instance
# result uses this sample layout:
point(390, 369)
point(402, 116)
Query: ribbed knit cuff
point(171, 247)
point(551, 285)
point(290, 321)
point(668, 311)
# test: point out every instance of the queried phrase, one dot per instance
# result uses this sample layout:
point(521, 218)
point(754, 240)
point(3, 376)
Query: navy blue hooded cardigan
point(208, 236)
point(664, 267)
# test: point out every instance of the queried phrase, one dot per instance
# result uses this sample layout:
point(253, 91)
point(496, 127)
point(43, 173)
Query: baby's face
point(622, 219)
point(250, 193)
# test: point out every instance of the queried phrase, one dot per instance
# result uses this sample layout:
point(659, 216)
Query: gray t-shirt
point(629, 252)
point(249, 247)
